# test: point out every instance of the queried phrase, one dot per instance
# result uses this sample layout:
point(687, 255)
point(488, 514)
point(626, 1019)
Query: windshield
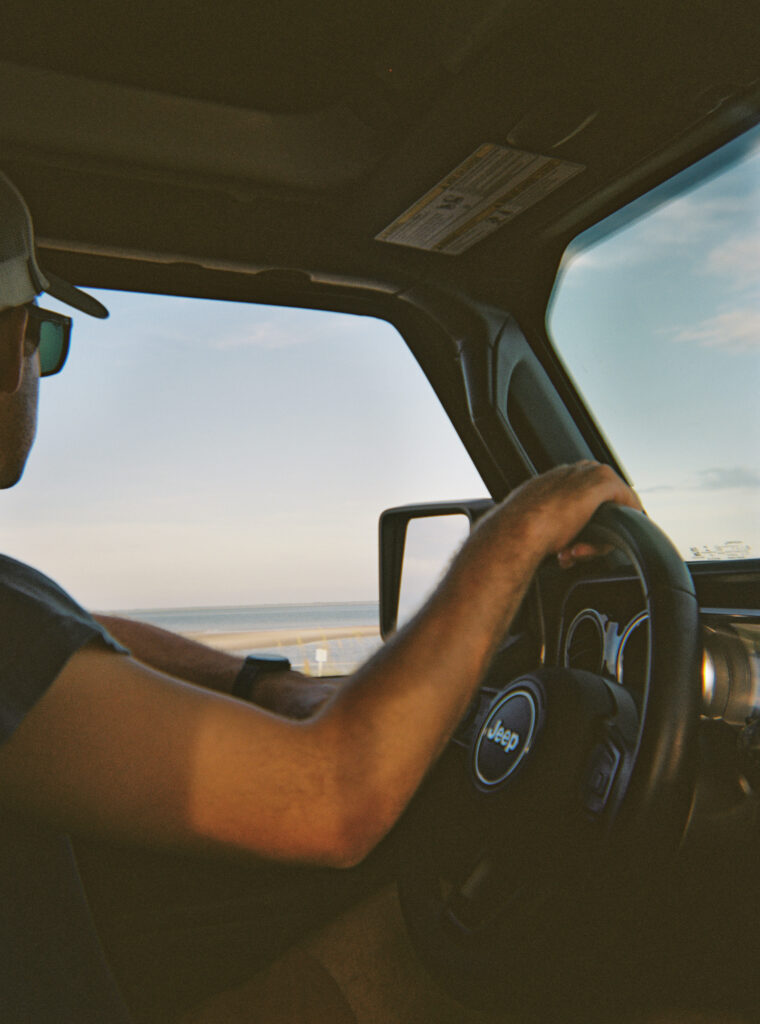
point(658, 320)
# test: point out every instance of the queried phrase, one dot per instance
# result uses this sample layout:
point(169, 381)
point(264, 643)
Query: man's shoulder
point(41, 628)
point(21, 580)
point(31, 601)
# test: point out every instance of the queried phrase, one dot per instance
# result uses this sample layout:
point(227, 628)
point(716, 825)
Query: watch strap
point(254, 666)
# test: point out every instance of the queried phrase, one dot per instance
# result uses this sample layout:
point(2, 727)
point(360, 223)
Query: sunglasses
point(49, 334)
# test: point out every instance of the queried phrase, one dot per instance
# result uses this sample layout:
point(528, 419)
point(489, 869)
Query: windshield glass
point(657, 317)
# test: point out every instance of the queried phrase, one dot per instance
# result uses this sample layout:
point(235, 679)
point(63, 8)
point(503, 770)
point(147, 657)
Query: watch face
point(269, 661)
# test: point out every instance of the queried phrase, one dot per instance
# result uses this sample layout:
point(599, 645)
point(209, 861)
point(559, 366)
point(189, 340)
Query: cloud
point(739, 258)
point(657, 488)
point(719, 478)
point(687, 223)
point(268, 336)
point(716, 478)
point(737, 330)
point(292, 328)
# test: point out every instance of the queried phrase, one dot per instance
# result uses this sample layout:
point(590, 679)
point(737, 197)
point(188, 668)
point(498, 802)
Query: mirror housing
point(392, 540)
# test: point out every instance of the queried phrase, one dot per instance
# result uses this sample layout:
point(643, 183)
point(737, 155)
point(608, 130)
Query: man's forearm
point(395, 716)
point(290, 694)
point(175, 655)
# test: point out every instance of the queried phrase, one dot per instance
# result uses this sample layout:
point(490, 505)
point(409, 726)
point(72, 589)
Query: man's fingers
point(614, 486)
point(581, 552)
point(559, 503)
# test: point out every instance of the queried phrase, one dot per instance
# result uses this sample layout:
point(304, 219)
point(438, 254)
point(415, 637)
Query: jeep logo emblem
point(505, 737)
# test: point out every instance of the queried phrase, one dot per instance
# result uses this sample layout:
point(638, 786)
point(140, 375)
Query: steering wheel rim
point(659, 791)
point(643, 814)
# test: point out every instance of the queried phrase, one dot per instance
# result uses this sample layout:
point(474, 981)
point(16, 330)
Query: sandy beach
point(251, 640)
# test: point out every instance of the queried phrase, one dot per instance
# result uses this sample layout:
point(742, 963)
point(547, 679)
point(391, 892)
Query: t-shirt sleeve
point(41, 626)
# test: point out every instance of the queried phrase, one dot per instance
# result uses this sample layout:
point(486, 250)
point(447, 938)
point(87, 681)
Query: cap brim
point(65, 292)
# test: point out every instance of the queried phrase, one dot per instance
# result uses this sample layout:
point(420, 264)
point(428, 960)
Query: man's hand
point(556, 506)
point(292, 694)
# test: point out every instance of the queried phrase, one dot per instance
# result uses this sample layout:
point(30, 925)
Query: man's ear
point(12, 331)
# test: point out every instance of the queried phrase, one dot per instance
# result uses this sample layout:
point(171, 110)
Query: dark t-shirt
point(40, 628)
point(52, 969)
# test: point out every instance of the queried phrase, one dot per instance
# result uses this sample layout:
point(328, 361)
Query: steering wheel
point(520, 853)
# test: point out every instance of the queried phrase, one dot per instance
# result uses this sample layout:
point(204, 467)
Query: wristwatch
point(255, 666)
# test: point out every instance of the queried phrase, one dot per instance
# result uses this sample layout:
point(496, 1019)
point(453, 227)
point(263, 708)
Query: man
point(100, 741)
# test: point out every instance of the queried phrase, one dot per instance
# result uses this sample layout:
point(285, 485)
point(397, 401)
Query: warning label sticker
point(484, 192)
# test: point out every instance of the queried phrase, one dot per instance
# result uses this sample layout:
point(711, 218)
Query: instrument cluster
point(605, 630)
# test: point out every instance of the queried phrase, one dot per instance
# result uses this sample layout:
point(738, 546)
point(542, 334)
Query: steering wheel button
point(600, 783)
point(605, 761)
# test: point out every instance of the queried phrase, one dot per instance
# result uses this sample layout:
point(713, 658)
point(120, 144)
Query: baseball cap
point(21, 278)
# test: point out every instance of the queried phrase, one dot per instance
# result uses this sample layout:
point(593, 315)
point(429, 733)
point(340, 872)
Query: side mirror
point(394, 523)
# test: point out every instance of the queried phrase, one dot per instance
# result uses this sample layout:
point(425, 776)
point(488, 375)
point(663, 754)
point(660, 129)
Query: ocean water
point(334, 656)
point(245, 618)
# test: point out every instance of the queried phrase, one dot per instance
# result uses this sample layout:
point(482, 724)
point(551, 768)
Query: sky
point(197, 453)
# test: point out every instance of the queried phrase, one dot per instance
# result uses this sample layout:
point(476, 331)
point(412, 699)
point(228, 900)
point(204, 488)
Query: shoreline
point(253, 639)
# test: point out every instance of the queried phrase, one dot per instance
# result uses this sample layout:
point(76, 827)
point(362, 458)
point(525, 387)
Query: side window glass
point(219, 469)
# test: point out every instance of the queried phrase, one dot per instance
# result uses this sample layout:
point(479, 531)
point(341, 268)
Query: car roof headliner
point(161, 139)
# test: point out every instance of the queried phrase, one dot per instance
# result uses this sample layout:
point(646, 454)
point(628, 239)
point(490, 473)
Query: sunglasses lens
point(51, 347)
